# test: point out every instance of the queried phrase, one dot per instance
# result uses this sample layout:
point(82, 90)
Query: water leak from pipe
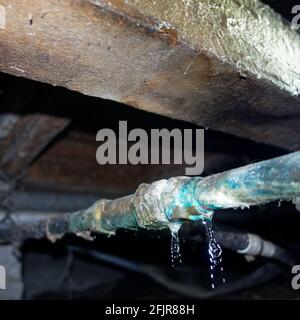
point(217, 277)
point(215, 256)
point(176, 259)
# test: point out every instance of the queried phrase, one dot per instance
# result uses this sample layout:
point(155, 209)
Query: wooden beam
point(230, 66)
point(70, 165)
point(25, 139)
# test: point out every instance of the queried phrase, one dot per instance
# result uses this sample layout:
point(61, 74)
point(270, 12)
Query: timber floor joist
point(230, 66)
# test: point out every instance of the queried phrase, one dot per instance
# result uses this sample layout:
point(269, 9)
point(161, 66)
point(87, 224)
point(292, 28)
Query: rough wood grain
point(120, 51)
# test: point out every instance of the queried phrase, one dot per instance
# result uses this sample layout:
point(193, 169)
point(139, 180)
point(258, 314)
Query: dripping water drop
point(176, 259)
point(215, 257)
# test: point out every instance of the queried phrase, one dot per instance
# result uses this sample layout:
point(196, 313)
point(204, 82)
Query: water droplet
point(176, 259)
point(279, 203)
point(215, 256)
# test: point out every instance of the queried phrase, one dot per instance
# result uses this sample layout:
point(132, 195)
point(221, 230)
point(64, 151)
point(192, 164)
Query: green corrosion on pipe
point(157, 205)
point(166, 203)
point(259, 183)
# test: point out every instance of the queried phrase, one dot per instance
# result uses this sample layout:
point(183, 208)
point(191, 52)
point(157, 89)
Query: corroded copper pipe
point(157, 205)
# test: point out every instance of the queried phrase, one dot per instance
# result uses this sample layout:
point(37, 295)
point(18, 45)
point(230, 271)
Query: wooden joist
point(23, 139)
point(230, 66)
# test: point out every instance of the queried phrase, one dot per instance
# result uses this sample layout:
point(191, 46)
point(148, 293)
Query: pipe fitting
point(156, 205)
